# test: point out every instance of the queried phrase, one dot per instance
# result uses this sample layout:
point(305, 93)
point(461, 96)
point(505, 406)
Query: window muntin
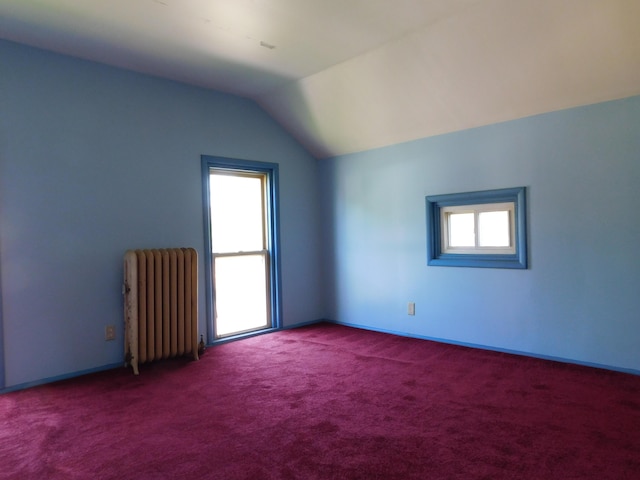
point(478, 229)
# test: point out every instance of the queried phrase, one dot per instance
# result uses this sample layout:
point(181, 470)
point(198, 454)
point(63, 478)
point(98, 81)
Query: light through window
point(461, 230)
point(494, 228)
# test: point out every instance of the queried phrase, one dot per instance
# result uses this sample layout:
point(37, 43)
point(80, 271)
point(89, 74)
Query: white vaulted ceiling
point(351, 75)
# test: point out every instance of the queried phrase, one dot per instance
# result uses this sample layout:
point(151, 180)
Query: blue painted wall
point(580, 298)
point(95, 160)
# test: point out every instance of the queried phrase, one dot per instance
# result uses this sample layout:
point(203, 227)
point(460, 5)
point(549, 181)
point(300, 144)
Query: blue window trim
point(2, 378)
point(249, 166)
point(435, 203)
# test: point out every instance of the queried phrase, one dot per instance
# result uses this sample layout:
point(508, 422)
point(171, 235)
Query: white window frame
point(476, 210)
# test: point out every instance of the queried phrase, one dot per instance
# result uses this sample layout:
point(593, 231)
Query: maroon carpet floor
point(329, 402)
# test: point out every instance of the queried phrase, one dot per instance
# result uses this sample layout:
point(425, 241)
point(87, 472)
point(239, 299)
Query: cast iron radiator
point(160, 304)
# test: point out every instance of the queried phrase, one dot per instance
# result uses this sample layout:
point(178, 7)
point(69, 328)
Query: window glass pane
point(240, 287)
point(236, 213)
point(461, 230)
point(493, 229)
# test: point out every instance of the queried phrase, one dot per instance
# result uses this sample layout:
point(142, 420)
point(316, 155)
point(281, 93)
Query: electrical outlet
point(110, 332)
point(411, 308)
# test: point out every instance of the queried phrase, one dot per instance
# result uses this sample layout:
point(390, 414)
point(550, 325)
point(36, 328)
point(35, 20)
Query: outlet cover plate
point(110, 332)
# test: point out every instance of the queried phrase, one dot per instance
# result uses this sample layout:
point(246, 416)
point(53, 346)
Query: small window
point(482, 228)
point(477, 229)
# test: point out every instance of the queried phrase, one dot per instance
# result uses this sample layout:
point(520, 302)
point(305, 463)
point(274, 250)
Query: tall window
point(242, 261)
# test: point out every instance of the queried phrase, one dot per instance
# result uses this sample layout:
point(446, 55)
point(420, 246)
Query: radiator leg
point(130, 360)
point(131, 310)
point(134, 365)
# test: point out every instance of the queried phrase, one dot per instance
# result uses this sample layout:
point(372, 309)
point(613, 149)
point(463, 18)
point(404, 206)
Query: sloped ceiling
point(350, 75)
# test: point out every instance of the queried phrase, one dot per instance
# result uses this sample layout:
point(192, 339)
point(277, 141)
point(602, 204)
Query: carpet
point(329, 402)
